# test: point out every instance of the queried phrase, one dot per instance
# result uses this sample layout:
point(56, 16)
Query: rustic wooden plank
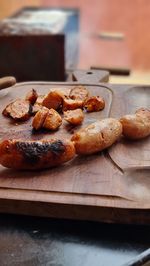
point(77, 212)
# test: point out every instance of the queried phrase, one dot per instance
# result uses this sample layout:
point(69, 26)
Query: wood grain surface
point(111, 186)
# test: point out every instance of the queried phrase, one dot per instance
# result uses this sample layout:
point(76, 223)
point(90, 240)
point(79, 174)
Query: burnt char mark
point(33, 151)
point(57, 147)
point(30, 112)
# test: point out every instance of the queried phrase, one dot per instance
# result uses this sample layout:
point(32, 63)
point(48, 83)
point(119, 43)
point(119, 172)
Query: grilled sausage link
point(35, 155)
point(97, 136)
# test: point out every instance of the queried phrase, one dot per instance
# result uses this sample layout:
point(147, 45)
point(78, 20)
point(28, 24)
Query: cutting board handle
point(7, 82)
point(90, 76)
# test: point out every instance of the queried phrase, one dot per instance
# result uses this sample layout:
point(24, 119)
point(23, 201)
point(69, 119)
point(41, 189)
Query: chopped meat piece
point(19, 110)
point(53, 120)
point(35, 154)
point(32, 96)
point(39, 118)
point(53, 100)
point(70, 104)
point(94, 104)
point(74, 117)
point(79, 93)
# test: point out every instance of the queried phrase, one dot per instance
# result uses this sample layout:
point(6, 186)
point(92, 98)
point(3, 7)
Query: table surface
point(36, 241)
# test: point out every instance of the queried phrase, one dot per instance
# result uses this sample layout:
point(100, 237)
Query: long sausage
point(97, 136)
point(35, 155)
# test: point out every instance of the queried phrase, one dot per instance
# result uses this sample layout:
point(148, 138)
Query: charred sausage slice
point(53, 120)
point(53, 100)
point(20, 109)
point(94, 104)
point(39, 118)
point(74, 117)
point(79, 93)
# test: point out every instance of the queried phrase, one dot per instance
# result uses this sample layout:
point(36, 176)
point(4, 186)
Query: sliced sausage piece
point(39, 118)
point(20, 109)
point(53, 100)
point(94, 104)
point(53, 120)
point(74, 117)
point(31, 96)
point(70, 104)
point(79, 93)
point(136, 126)
point(33, 155)
point(97, 136)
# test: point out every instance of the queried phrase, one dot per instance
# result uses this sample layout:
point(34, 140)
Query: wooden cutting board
point(110, 186)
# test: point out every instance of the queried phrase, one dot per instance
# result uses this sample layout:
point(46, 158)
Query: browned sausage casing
point(35, 155)
point(97, 136)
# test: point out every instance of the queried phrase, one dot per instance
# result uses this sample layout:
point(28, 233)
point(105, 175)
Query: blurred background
point(112, 34)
